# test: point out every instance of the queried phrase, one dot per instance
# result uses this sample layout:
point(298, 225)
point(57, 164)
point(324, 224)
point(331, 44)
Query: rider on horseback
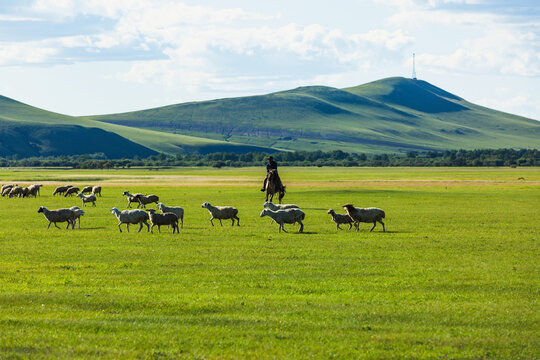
point(271, 164)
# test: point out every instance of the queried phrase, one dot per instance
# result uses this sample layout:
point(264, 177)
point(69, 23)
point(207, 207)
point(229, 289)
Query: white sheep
point(276, 207)
point(167, 218)
point(87, 198)
point(222, 213)
point(341, 219)
point(6, 189)
point(135, 216)
point(60, 215)
point(78, 213)
point(35, 189)
point(175, 210)
point(366, 215)
point(286, 216)
point(96, 190)
point(131, 197)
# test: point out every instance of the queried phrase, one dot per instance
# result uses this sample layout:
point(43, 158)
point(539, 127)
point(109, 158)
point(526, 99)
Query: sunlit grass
point(456, 273)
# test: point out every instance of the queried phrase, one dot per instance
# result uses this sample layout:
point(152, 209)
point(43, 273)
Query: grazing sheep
point(15, 191)
point(6, 189)
point(341, 219)
point(61, 190)
point(276, 207)
point(286, 216)
point(60, 215)
point(86, 189)
point(222, 213)
point(78, 213)
point(167, 218)
point(131, 197)
point(87, 198)
point(175, 210)
point(96, 190)
point(146, 199)
point(71, 191)
point(366, 215)
point(135, 216)
point(34, 190)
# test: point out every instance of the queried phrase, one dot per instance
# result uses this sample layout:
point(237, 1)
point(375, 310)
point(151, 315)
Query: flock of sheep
point(170, 216)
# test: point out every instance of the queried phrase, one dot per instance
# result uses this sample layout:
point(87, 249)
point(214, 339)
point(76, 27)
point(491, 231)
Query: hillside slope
point(29, 131)
point(389, 115)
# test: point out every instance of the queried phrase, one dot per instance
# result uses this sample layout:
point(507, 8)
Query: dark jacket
point(271, 165)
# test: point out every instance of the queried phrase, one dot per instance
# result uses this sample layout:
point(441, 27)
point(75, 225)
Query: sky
point(86, 57)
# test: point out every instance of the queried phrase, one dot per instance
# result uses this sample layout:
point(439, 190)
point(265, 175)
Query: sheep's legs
point(301, 227)
point(382, 226)
point(182, 223)
point(56, 226)
point(374, 224)
point(152, 228)
point(281, 227)
point(337, 226)
point(350, 226)
point(119, 228)
point(211, 222)
point(159, 229)
point(48, 226)
point(220, 223)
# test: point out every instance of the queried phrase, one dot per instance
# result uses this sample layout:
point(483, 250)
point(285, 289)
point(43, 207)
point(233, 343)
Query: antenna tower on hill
point(413, 68)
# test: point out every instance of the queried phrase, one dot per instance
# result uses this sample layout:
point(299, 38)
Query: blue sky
point(102, 56)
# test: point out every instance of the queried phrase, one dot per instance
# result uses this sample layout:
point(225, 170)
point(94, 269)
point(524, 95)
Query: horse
point(274, 186)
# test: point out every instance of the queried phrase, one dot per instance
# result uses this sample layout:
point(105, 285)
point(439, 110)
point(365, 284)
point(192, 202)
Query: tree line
point(481, 157)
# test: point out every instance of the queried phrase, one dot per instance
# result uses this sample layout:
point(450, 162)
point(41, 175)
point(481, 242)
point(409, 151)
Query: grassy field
point(455, 276)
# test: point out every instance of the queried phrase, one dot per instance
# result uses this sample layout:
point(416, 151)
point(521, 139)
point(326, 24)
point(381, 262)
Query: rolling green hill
point(388, 115)
point(29, 131)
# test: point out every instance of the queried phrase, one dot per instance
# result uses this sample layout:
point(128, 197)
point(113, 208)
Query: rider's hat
point(270, 157)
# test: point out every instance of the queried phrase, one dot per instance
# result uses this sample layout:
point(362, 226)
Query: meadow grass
point(455, 276)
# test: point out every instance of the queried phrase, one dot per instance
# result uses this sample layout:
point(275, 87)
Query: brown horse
point(274, 186)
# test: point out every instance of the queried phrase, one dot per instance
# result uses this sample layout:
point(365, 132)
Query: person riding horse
point(270, 165)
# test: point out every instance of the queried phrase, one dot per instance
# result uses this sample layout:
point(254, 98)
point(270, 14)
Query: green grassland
point(455, 276)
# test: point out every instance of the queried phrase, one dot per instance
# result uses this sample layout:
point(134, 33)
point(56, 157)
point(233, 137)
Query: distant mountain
point(388, 115)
